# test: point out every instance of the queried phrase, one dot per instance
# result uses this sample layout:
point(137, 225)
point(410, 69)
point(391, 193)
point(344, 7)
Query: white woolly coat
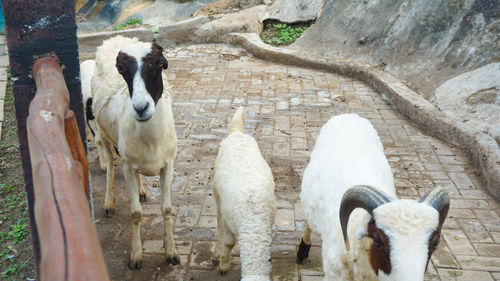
point(348, 152)
point(244, 184)
point(145, 146)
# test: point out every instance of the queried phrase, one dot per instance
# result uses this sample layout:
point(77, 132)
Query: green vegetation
point(15, 243)
point(131, 23)
point(282, 34)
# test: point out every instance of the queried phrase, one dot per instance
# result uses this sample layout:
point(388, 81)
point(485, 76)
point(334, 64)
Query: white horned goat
point(131, 102)
point(349, 198)
point(244, 193)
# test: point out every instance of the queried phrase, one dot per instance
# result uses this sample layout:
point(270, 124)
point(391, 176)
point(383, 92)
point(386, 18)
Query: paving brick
point(458, 242)
point(458, 275)
point(208, 221)
point(283, 251)
point(469, 204)
point(488, 250)
point(496, 236)
point(281, 149)
point(489, 219)
point(151, 210)
point(443, 257)
point(188, 215)
point(479, 263)
point(461, 180)
point(461, 213)
point(153, 247)
point(285, 220)
point(475, 231)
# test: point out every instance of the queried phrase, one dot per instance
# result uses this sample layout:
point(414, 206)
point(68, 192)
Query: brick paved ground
point(286, 106)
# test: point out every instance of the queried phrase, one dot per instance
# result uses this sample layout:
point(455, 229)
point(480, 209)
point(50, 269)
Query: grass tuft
point(282, 34)
point(131, 23)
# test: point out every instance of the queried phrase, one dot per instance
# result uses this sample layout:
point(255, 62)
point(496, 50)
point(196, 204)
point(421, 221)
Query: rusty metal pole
point(35, 27)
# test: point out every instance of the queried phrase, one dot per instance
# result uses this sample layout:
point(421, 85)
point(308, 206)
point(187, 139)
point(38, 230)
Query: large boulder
point(217, 8)
point(245, 21)
point(474, 98)
point(244, 4)
point(291, 11)
point(200, 29)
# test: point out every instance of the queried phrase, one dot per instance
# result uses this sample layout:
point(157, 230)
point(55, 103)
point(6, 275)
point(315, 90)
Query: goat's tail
point(237, 121)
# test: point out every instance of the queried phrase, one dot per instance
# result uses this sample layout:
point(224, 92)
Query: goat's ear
point(160, 49)
point(119, 58)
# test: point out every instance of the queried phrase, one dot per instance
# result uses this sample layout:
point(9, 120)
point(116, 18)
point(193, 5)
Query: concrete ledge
point(483, 148)
point(89, 42)
point(184, 31)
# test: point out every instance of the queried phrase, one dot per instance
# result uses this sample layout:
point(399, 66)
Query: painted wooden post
point(69, 245)
point(35, 27)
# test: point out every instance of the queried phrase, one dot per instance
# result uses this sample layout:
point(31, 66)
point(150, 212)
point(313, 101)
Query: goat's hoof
point(175, 260)
point(135, 265)
point(303, 252)
point(222, 272)
point(143, 197)
point(109, 213)
point(215, 262)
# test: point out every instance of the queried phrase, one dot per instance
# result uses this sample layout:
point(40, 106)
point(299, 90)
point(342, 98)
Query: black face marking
point(127, 67)
point(152, 66)
point(380, 251)
point(434, 242)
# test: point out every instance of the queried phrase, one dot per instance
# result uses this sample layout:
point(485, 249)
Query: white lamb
point(132, 106)
point(244, 193)
point(348, 179)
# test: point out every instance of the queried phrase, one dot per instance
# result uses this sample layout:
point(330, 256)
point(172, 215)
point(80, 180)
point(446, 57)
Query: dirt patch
point(16, 253)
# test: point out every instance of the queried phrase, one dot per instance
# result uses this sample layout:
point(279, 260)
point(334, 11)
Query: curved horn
point(438, 199)
point(359, 196)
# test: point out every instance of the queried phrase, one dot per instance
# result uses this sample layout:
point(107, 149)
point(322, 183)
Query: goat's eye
point(376, 242)
point(120, 69)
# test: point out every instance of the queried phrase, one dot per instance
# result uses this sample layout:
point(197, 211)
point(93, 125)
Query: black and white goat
point(132, 106)
point(349, 198)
